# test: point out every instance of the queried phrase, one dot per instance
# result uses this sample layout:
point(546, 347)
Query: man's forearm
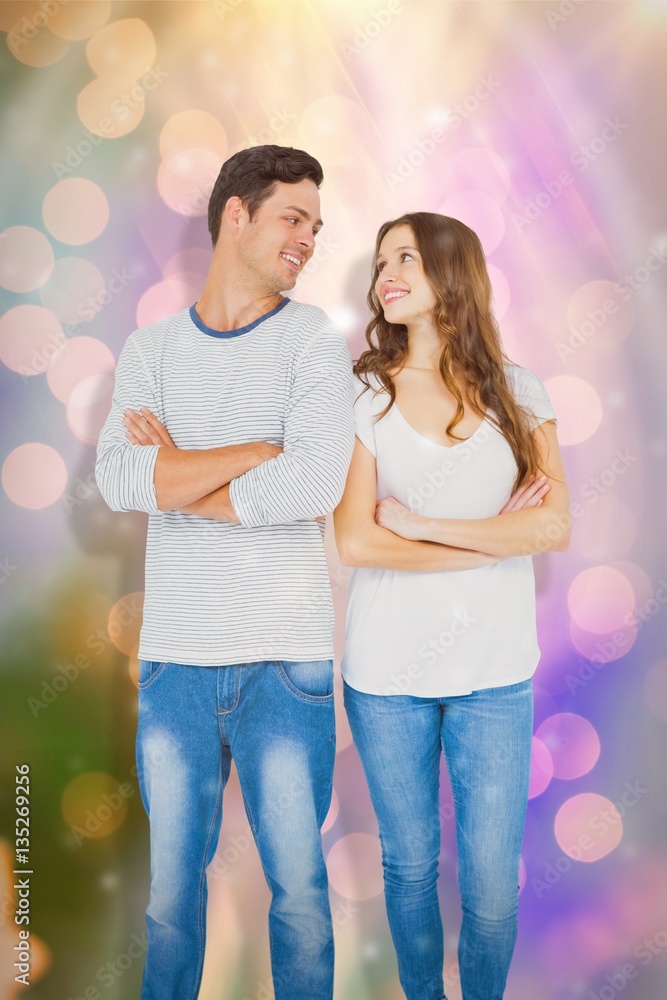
point(216, 505)
point(183, 477)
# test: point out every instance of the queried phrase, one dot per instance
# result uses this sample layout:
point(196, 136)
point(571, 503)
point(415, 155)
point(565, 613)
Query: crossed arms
point(387, 535)
point(256, 483)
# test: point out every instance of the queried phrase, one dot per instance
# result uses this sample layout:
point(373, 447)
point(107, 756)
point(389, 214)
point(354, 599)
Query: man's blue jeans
point(486, 739)
point(276, 720)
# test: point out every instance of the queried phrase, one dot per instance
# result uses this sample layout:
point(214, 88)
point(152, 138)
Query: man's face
point(280, 239)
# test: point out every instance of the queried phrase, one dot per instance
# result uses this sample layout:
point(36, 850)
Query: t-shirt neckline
point(240, 330)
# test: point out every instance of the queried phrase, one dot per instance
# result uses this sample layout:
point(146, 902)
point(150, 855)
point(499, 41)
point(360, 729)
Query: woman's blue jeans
point(486, 739)
point(275, 719)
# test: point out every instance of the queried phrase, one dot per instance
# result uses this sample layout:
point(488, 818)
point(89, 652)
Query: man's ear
point(235, 214)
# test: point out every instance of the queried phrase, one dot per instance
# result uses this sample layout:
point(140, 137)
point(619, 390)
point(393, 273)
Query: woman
point(455, 481)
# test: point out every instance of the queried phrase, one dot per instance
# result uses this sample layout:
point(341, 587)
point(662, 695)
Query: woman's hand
point(391, 514)
point(530, 495)
point(145, 428)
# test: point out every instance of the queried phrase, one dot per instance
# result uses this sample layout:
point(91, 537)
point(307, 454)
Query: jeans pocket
point(149, 671)
point(310, 680)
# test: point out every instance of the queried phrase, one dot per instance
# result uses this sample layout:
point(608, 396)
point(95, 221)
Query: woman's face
point(402, 287)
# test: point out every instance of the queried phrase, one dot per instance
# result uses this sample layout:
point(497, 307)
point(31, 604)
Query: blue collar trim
point(242, 329)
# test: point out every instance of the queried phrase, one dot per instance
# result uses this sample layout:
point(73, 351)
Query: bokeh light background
point(539, 124)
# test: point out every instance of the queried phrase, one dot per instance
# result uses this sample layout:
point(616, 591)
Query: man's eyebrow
point(302, 212)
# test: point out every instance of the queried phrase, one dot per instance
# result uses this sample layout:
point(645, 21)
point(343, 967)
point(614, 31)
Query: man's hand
point(145, 428)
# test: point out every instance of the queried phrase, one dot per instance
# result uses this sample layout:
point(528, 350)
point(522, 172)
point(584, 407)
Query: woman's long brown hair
point(454, 264)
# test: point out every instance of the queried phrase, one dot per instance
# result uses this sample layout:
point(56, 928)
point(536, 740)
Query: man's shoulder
point(309, 318)
point(153, 333)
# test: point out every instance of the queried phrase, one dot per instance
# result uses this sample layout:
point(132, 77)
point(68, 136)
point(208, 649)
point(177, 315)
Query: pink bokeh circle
point(572, 742)
point(541, 768)
point(588, 827)
point(80, 358)
point(577, 406)
point(34, 475)
point(600, 599)
point(355, 866)
point(26, 258)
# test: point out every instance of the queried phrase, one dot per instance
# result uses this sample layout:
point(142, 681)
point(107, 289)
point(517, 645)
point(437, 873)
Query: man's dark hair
point(252, 174)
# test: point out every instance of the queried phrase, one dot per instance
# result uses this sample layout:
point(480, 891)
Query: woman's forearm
point(519, 532)
point(378, 548)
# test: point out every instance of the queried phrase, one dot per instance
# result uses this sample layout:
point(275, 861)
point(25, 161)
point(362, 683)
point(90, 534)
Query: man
point(232, 426)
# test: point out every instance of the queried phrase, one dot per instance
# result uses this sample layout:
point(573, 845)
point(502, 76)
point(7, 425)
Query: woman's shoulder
point(529, 391)
point(368, 385)
point(522, 380)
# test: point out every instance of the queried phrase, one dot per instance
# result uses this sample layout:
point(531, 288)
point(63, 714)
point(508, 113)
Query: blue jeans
point(486, 739)
point(276, 720)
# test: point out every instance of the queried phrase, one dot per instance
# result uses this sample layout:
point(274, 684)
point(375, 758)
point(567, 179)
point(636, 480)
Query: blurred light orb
point(655, 689)
point(541, 768)
point(354, 864)
point(124, 623)
point(601, 647)
point(588, 827)
point(192, 260)
point(501, 295)
point(88, 406)
point(168, 297)
point(75, 291)
point(476, 169)
point(577, 406)
point(336, 128)
point(606, 529)
point(34, 475)
point(94, 805)
point(480, 213)
point(123, 51)
point(522, 874)
point(75, 211)
point(600, 599)
point(108, 111)
point(185, 180)
point(31, 337)
point(599, 312)
point(193, 129)
point(26, 258)
point(80, 358)
point(29, 38)
point(572, 742)
point(332, 815)
point(79, 19)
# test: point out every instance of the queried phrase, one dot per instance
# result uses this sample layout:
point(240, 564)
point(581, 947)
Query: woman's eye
point(380, 266)
point(406, 254)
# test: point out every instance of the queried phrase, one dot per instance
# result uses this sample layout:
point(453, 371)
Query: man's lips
point(296, 261)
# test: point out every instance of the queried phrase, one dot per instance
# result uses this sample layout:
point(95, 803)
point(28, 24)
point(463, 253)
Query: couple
point(238, 425)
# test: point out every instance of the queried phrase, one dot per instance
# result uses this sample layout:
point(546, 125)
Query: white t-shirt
point(447, 632)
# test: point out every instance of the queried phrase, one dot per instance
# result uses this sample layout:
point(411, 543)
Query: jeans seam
point(313, 699)
point(201, 914)
point(153, 675)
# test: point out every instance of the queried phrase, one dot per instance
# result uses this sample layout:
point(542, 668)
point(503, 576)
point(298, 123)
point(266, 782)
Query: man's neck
point(231, 312)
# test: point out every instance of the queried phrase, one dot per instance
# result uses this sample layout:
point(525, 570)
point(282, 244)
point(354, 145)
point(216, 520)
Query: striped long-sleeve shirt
point(217, 592)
